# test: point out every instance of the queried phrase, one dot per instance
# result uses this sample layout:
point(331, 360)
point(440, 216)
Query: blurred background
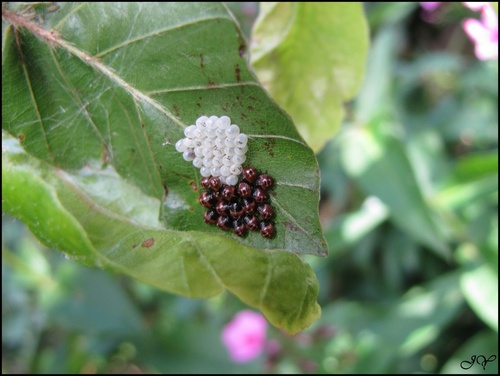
point(409, 206)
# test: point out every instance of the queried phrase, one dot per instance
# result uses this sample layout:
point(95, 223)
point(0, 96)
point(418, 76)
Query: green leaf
point(374, 99)
point(387, 332)
point(474, 178)
point(381, 167)
point(311, 58)
point(483, 344)
point(77, 303)
point(111, 219)
point(480, 288)
point(495, 5)
point(348, 229)
point(98, 97)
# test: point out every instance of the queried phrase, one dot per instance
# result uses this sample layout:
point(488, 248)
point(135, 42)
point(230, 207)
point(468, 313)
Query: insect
point(250, 174)
point(228, 192)
point(260, 195)
point(222, 208)
point(205, 182)
point(206, 199)
point(239, 228)
point(224, 223)
point(265, 181)
point(251, 222)
point(236, 210)
point(267, 229)
point(214, 183)
point(244, 189)
point(210, 217)
point(236, 197)
point(249, 205)
point(266, 211)
point(243, 207)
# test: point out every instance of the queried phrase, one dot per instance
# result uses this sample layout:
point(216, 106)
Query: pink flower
point(429, 10)
point(475, 5)
point(430, 6)
point(245, 336)
point(484, 33)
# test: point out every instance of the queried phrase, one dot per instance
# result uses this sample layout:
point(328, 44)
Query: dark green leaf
point(484, 343)
point(99, 96)
point(111, 220)
point(380, 166)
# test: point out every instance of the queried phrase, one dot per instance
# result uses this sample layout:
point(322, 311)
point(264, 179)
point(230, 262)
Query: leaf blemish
point(292, 227)
point(105, 156)
point(201, 61)
point(269, 146)
point(237, 70)
point(21, 137)
point(193, 186)
point(148, 243)
point(242, 49)
point(176, 110)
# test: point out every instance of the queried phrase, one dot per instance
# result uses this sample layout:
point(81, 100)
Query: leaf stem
point(53, 38)
point(21, 20)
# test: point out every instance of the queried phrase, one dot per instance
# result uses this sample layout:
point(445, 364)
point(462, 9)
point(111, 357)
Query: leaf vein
point(208, 264)
point(35, 105)
point(185, 277)
point(205, 87)
point(267, 282)
point(136, 141)
point(156, 169)
point(276, 136)
point(76, 98)
point(156, 33)
point(95, 206)
point(294, 221)
point(63, 20)
point(107, 71)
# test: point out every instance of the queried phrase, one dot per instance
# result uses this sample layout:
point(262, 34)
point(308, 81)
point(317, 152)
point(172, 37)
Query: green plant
point(95, 96)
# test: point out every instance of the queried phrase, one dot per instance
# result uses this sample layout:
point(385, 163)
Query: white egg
point(224, 171)
point(224, 122)
point(235, 169)
point(239, 159)
point(200, 122)
point(232, 180)
point(188, 155)
point(241, 140)
point(188, 132)
point(233, 131)
point(180, 146)
point(205, 171)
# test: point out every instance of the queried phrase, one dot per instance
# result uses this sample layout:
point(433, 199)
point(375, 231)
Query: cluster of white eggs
point(216, 147)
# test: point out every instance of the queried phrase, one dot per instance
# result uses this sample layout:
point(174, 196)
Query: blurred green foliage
point(410, 212)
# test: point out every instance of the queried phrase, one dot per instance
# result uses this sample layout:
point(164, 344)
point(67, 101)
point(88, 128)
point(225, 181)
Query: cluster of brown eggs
point(241, 207)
